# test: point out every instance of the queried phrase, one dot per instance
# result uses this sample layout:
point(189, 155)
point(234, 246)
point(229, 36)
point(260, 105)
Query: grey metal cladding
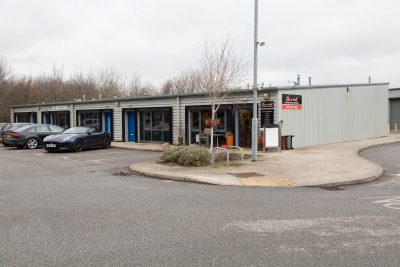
point(331, 115)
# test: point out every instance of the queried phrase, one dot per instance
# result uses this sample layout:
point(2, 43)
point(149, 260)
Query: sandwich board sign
point(272, 136)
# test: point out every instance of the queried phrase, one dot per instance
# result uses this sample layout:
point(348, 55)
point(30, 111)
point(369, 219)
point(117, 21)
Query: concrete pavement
point(324, 166)
point(140, 146)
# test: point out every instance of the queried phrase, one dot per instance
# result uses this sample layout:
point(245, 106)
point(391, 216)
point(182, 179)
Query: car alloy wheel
point(77, 146)
point(107, 143)
point(32, 143)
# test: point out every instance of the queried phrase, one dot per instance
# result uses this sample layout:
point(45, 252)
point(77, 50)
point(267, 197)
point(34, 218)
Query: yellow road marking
point(267, 182)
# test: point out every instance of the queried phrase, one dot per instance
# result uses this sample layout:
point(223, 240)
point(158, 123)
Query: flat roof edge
point(265, 89)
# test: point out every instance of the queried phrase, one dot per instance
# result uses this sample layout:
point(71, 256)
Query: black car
point(31, 136)
point(77, 139)
point(11, 127)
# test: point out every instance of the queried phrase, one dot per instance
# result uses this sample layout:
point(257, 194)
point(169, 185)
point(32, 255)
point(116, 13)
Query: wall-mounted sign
point(60, 107)
point(267, 104)
point(292, 102)
point(267, 113)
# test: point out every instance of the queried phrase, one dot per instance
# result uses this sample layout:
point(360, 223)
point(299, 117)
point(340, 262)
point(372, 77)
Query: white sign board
point(271, 137)
point(60, 107)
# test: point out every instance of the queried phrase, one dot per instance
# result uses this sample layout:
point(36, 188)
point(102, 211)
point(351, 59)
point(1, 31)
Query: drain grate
point(332, 188)
point(246, 174)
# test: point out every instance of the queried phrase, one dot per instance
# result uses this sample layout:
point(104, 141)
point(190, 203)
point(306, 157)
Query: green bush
point(186, 156)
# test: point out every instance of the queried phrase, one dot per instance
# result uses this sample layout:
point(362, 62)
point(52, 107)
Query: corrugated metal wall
point(395, 113)
point(330, 115)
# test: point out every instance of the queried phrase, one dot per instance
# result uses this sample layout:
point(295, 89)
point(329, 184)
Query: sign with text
point(267, 113)
point(294, 102)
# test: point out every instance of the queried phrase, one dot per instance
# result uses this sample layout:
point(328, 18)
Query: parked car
point(31, 136)
point(77, 139)
point(11, 127)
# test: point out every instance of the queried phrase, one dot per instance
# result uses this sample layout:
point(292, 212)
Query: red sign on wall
point(294, 102)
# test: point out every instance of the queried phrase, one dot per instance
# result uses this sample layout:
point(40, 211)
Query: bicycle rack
point(241, 152)
point(228, 153)
point(213, 155)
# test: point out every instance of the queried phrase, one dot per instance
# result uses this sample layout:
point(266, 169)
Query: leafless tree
point(221, 71)
point(109, 84)
point(139, 88)
point(167, 88)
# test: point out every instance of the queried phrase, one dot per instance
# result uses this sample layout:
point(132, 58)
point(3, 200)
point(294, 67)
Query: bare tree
point(167, 88)
point(139, 88)
point(221, 71)
point(109, 84)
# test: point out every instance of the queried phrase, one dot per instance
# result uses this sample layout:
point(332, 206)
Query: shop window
point(205, 115)
point(155, 126)
point(91, 120)
point(221, 117)
point(23, 118)
point(196, 120)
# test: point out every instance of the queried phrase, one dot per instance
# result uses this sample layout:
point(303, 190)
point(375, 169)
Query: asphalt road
point(83, 209)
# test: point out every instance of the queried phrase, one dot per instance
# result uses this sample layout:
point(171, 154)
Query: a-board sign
point(271, 136)
point(267, 113)
point(292, 102)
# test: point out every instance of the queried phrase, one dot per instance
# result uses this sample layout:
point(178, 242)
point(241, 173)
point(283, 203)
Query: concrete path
point(140, 146)
point(326, 165)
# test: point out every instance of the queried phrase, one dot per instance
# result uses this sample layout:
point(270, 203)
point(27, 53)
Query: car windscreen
point(77, 130)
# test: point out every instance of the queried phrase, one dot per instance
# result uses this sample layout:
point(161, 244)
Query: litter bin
point(283, 142)
point(287, 142)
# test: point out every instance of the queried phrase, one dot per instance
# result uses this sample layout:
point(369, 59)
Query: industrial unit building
point(313, 114)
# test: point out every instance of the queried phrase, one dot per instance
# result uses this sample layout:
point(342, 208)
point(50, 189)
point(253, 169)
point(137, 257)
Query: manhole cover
point(246, 174)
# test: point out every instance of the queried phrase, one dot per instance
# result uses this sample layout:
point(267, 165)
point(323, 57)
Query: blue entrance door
point(131, 126)
point(47, 119)
point(107, 122)
point(34, 118)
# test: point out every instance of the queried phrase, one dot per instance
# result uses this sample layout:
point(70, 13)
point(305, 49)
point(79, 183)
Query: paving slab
point(325, 165)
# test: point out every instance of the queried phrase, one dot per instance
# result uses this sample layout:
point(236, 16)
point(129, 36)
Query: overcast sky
point(334, 41)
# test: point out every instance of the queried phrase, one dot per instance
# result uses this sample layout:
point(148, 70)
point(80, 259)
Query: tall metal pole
point(254, 128)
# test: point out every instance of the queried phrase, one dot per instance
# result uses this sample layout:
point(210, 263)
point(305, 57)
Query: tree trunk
point(212, 127)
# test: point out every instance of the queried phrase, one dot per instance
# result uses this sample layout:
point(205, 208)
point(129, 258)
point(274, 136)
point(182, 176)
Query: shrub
point(186, 156)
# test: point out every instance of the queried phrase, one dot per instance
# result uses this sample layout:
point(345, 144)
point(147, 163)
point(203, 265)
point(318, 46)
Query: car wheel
point(32, 143)
point(5, 144)
point(78, 145)
point(107, 143)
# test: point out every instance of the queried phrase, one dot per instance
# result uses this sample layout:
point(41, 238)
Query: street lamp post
point(254, 128)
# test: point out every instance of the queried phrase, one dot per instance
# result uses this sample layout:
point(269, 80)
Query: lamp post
point(254, 128)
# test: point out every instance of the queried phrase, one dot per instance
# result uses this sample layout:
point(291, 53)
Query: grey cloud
point(333, 41)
